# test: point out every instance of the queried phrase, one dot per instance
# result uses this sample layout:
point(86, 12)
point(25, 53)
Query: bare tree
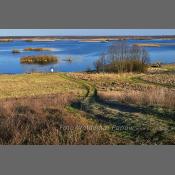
point(122, 57)
point(100, 63)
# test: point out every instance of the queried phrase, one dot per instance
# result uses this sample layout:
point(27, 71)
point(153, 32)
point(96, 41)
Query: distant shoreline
point(51, 38)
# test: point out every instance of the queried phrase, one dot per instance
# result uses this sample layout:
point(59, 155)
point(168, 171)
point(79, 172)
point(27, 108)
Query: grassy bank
point(88, 108)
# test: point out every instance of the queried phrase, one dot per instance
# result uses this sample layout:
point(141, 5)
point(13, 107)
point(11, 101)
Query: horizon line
point(158, 35)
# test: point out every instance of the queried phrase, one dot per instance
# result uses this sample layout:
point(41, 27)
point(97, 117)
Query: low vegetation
point(88, 108)
point(95, 40)
point(37, 49)
point(39, 111)
point(147, 45)
point(6, 40)
point(158, 96)
point(40, 40)
point(36, 84)
point(167, 79)
point(140, 110)
point(48, 120)
point(39, 59)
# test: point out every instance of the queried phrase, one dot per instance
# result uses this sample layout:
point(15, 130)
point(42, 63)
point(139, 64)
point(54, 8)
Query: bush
point(40, 59)
point(122, 57)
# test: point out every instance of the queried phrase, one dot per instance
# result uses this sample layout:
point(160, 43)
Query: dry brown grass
point(111, 81)
point(46, 120)
point(163, 78)
point(39, 59)
point(157, 96)
point(6, 40)
point(29, 115)
point(37, 49)
point(147, 45)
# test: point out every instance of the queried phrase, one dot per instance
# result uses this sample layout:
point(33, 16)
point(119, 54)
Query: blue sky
point(84, 32)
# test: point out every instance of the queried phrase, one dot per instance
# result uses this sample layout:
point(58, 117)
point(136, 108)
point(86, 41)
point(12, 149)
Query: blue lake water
point(83, 54)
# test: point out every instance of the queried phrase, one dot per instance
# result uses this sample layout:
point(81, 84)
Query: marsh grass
point(147, 45)
point(165, 79)
point(37, 49)
point(6, 40)
point(46, 120)
point(40, 59)
point(155, 89)
point(158, 96)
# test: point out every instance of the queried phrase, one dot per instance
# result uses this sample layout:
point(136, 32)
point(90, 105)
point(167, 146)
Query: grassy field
point(35, 84)
point(88, 108)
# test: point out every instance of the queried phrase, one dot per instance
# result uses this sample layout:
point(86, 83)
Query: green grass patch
point(37, 84)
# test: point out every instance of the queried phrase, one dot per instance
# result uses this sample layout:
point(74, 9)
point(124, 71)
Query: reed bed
point(158, 96)
point(39, 59)
point(37, 49)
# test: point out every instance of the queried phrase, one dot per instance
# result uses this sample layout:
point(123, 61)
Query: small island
point(5, 40)
point(147, 45)
point(38, 49)
point(39, 39)
point(39, 59)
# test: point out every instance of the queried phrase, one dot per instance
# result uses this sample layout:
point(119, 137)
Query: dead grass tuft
point(156, 96)
point(46, 120)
